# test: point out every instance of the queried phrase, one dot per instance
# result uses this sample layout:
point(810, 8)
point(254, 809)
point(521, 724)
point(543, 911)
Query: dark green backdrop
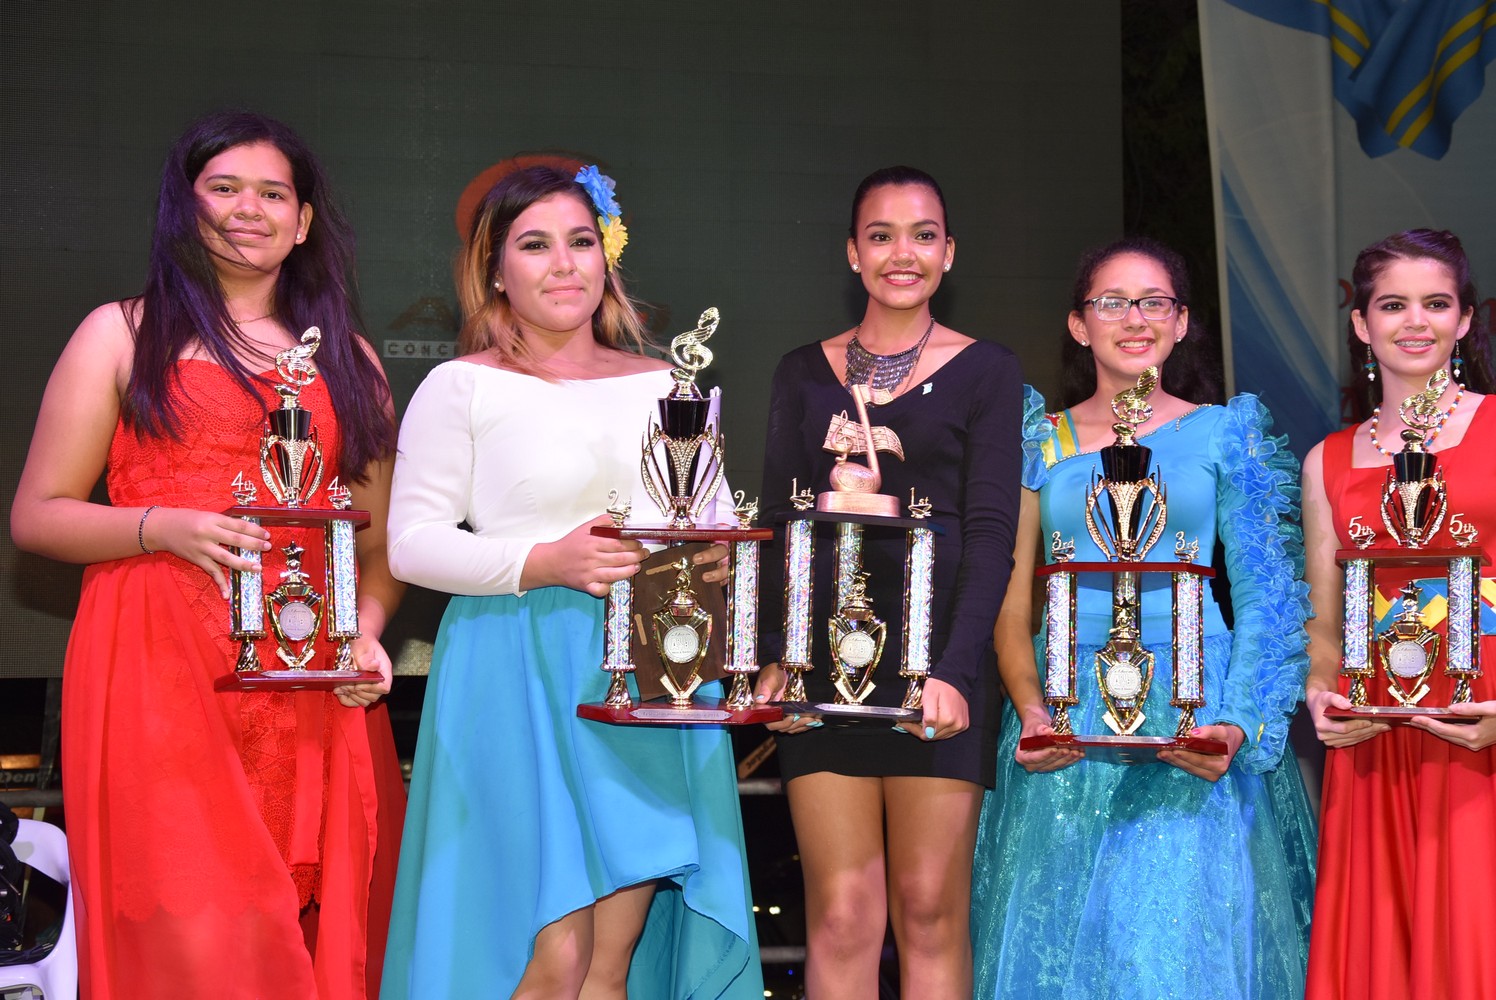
point(736, 132)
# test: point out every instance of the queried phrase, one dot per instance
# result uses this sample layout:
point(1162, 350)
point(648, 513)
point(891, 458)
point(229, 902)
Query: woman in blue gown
point(545, 855)
point(1191, 877)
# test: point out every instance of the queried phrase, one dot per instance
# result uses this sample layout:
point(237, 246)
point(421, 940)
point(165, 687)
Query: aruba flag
point(1404, 69)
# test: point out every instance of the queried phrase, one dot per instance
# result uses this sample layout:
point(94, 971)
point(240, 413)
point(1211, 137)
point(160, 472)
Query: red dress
point(1406, 900)
point(201, 823)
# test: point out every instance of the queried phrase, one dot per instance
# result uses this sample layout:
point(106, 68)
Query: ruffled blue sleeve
point(1257, 503)
point(1036, 430)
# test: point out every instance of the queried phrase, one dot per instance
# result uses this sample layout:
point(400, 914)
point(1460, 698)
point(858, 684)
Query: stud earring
point(498, 286)
point(946, 268)
point(1084, 342)
point(1370, 367)
point(1457, 363)
point(856, 268)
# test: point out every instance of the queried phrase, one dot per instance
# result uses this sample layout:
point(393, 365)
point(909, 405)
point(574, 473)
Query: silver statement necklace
point(882, 371)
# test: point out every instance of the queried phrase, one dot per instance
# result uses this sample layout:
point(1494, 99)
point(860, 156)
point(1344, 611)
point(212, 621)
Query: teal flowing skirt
point(1104, 881)
point(521, 813)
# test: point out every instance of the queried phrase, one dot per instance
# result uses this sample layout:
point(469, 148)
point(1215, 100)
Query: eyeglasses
point(1114, 307)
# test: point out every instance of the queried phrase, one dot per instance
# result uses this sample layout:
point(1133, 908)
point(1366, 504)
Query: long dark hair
point(183, 303)
point(1416, 244)
point(1190, 372)
point(897, 177)
point(488, 323)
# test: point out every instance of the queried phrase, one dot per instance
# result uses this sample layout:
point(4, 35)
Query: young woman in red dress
point(222, 844)
point(1407, 867)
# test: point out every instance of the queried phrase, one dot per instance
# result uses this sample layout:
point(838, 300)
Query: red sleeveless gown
point(202, 823)
point(1405, 905)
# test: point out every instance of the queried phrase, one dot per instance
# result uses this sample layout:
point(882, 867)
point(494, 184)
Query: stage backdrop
point(1332, 126)
point(736, 132)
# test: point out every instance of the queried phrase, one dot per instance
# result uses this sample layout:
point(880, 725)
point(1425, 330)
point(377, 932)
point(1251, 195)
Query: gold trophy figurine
point(688, 480)
point(1414, 500)
point(854, 487)
point(682, 634)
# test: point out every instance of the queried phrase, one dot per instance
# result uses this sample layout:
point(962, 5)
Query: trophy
point(298, 607)
point(681, 466)
point(1125, 527)
point(1413, 508)
point(855, 632)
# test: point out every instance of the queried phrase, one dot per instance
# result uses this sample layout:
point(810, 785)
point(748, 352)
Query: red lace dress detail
point(1407, 858)
point(202, 823)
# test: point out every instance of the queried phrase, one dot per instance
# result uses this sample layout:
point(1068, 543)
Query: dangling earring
point(1457, 363)
point(1370, 367)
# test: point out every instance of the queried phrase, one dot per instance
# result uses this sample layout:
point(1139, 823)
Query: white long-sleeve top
point(520, 460)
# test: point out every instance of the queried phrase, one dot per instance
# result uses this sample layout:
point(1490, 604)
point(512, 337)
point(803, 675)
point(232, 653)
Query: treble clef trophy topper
point(1414, 500)
point(294, 611)
point(1414, 503)
point(681, 470)
point(1125, 528)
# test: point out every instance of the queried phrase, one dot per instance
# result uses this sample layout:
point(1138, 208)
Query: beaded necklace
point(882, 371)
point(1376, 416)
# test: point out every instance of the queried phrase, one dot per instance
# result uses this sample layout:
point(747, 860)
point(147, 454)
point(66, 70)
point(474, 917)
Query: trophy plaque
point(1125, 528)
point(681, 466)
point(856, 633)
point(298, 607)
point(1414, 504)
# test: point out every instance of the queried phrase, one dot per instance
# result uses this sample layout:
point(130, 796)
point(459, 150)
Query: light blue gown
point(1101, 880)
point(520, 812)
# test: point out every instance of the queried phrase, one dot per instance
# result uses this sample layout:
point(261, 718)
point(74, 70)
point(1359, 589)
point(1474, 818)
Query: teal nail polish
point(929, 732)
point(794, 718)
point(817, 724)
point(900, 729)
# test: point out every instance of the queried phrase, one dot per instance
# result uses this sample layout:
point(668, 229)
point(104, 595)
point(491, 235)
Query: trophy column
point(1414, 504)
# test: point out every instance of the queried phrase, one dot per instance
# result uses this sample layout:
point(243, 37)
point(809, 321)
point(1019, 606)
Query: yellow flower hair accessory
point(599, 188)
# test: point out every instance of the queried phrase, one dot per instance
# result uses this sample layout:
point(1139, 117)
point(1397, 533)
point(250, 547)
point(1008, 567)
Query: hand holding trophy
point(1414, 505)
point(298, 607)
point(681, 466)
point(1125, 528)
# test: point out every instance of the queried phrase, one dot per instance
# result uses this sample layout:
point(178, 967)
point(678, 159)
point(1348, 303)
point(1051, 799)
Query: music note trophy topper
point(681, 467)
point(856, 633)
point(1125, 527)
point(297, 606)
point(1414, 504)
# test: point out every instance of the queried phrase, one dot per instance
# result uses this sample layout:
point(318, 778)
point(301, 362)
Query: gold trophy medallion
point(1408, 649)
point(682, 634)
point(857, 636)
point(1124, 672)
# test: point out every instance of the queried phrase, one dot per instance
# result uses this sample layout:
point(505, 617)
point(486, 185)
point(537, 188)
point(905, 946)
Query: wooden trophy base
point(295, 680)
point(1399, 715)
point(706, 712)
point(1124, 749)
point(852, 716)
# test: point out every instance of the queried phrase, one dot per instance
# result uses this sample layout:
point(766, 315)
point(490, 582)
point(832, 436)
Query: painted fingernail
point(900, 729)
point(817, 724)
point(794, 718)
point(929, 732)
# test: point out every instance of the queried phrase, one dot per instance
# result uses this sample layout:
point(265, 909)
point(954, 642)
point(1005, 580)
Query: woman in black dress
point(886, 818)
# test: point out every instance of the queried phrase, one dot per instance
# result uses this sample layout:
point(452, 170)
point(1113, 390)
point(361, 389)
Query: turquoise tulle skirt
point(521, 813)
point(1104, 881)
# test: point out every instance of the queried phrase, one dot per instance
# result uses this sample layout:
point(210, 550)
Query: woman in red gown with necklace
point(222, 844)
point(1407, 868)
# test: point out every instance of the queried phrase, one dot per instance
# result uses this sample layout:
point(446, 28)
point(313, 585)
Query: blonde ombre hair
point(488, 323)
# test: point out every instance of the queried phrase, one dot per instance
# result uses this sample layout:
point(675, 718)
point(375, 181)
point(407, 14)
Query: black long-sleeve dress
point(961, 429)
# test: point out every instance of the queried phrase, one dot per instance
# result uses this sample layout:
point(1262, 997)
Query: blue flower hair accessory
point(599, 188)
